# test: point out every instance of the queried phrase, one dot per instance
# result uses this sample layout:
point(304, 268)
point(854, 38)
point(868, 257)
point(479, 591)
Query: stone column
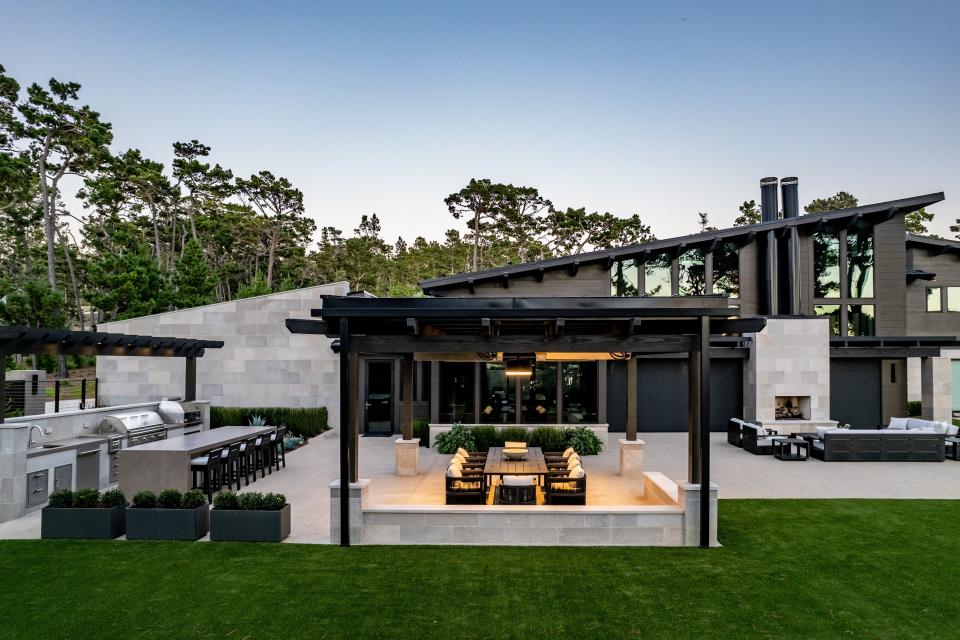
point(13, 471)
point(407, 456)
point(631, 463)
point(936, 389)
point(358, 496)
point(688, 495)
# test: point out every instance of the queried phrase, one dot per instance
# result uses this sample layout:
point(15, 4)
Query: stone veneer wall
point(261, 362)
point(790, 357)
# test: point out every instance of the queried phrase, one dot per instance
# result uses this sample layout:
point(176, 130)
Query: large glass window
point(953, 298)
point(692, 273)
point(579, 392)
point(624, 278)
point(656, 274)
point(726, 270)
point(861, 320)
point(860, 263)
point(539, 394)
point(934, 297)
point(833, 312)
point(498, 398)
point(826, 265)
point(456, 392)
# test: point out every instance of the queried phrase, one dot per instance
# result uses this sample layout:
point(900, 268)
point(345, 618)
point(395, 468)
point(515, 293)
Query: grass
point(788, 569)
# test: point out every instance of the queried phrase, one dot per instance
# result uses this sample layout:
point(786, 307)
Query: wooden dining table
point(498, 464)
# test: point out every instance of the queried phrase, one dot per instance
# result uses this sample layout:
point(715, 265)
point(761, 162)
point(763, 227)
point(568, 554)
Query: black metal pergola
point(482, 326)
point(29, 340)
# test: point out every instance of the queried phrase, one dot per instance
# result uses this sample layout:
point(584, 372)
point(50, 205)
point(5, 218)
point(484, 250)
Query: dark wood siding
point(855, 392)
point(889, 276)
point(592, 280)
point(919, 322)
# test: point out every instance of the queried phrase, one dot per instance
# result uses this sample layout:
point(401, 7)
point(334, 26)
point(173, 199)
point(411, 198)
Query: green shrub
point(250, 501)
point(914, 408)
point(170, 499)
point(458, 436)
point(226, 500)
point(61, 499)
point(514, 434)
point(86, 499)
point(113, 498)
point(305, 423)
point(421, 429)
point(273, 502)
point(145, 500)
point(485, 437)
point(193, 499)
point(548, 438)
point(583, 440)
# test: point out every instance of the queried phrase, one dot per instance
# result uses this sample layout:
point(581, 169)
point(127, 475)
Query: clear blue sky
point(660, 109)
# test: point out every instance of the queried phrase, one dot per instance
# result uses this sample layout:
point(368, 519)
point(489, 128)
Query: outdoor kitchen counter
point(165, 464)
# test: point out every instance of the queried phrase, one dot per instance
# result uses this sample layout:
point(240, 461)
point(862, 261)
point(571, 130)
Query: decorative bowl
point(515, 454)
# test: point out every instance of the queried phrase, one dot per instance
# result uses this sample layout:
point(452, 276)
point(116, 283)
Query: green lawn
point(788, 569)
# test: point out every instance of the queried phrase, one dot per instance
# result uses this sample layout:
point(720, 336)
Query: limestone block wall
point(260, 364)
point(789, 357)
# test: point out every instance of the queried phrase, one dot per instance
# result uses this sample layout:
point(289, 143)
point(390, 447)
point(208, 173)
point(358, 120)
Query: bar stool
point(208, 466)
point(276, 447)
point(230, 465)
point(248, 459)
point(262, 447)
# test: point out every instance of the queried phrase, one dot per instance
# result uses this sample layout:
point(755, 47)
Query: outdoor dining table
point(498, 464)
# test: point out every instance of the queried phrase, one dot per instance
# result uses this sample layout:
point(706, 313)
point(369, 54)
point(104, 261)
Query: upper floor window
point(656, 276)
point(832, 311)
point(860, 262)
point(726, 270)
point(934, 299)
point(861, 320)
point(624, 278)
point(692, 274)
point(953, 298)
point(826, 265)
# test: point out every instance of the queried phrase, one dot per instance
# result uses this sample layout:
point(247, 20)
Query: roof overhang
point(891, 346)
point(28, 340)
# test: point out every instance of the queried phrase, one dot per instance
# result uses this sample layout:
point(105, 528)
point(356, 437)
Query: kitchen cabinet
point(37, 488)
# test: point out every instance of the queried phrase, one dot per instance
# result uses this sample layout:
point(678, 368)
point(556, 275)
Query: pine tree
point(193, 278)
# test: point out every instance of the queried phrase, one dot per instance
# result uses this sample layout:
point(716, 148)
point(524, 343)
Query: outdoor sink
point(45, 446)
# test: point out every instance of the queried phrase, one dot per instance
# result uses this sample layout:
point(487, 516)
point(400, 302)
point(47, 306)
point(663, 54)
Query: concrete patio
point(310, 470)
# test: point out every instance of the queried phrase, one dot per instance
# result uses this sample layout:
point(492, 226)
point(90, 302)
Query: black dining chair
point(208, 467)
point(230, 465)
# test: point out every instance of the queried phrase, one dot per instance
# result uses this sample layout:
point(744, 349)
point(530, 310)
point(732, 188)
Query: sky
point(660, 109)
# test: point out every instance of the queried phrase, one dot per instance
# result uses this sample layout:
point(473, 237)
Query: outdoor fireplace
point(792, 408)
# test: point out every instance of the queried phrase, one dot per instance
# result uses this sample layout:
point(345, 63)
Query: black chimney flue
point(790, 197)
point(768, 199)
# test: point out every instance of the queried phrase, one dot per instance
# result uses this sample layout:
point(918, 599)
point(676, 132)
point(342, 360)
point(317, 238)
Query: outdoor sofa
point(878, 445)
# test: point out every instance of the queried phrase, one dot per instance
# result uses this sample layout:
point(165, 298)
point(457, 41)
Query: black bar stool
point(276, 447)
point(230, 465)
point(262, 447)
point(208, 466)
point(248, 459)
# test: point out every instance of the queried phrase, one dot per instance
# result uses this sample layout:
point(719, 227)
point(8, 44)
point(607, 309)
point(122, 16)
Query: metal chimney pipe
point(768, 200)
point(790, 197)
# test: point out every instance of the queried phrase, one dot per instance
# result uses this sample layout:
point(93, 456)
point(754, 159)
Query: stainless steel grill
point(139, 427)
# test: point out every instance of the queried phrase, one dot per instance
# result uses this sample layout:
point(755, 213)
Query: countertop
point(199, 442)
point(65, 444)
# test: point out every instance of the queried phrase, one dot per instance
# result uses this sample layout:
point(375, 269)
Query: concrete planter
point(168, 524)
point(82, 523)
point(250, 526)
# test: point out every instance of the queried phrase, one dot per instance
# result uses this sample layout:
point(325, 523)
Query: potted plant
point(83, 514)
point(171, 516)
point(249, 517)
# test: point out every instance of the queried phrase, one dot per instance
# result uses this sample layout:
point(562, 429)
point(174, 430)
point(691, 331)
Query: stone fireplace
point(787, 376)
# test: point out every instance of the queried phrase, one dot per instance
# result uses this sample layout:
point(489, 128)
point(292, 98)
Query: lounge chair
point(465, 487)
point(566, 487)
point(735, 431)
point(758, 440)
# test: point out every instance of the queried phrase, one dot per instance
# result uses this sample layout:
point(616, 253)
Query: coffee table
point(791, 449)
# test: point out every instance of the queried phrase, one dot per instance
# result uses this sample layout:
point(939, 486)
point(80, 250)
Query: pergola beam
point(520, 344)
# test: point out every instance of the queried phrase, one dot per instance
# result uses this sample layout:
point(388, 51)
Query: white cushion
point(514, 445)
point(823, 430)
point(574, 456)
point(454, 472)
point(456, 463)
point(952, 429)
point(518, 481)
point(897, 423)
point(573, 462)
point(941, 427)
point(568, 452)
point(576, 472)
point(818, 444)
point(764, 442)
point(459, 458)
point(738, 421)
point(463, 452)
point(917, 423)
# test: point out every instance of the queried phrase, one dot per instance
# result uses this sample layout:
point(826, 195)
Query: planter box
point(250, 526)
point(168, 524)
point(82, 523)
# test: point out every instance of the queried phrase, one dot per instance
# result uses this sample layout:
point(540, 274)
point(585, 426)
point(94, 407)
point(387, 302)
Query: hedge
point(305, 423)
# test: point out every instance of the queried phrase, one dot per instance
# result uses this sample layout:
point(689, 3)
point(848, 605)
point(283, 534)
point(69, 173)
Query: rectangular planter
point(82, 523)
point(168, 524)
point(250, 526)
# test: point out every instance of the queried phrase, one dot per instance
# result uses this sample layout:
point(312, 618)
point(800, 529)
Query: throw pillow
point(576, 472)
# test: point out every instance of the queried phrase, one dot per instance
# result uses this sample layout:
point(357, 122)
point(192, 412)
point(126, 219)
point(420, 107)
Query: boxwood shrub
point(193, 499)
point(305, 423)
point(145, 499)
point(170, 499)
point(61, 499)
point(113, 498)
point(226, 500)
point(86, 499)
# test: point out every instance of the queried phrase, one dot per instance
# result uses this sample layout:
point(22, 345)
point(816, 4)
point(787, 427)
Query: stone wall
point(261, 362)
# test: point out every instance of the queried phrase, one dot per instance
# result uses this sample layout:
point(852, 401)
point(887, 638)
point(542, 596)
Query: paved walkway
point(310, 470)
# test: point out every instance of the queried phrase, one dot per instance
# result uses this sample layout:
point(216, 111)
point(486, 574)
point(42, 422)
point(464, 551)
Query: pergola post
point(693, 416)
point(358, 415)
point(632, 398)
point(704, 393)
point(3, 386)
point(406, 413)
point(190, 379)
point(345, 432)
